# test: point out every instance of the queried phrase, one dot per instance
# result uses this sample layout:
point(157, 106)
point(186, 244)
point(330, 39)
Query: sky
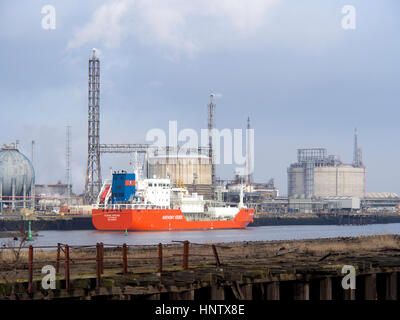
point(303, 79)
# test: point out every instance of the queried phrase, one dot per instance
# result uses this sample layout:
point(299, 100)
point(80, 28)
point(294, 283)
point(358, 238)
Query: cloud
point(106, 25)
point(244, 16)
point(175, 26)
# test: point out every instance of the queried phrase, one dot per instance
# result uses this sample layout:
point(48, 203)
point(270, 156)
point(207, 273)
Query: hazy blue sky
point(288, 64)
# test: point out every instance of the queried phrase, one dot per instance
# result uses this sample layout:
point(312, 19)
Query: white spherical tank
point(16, 172)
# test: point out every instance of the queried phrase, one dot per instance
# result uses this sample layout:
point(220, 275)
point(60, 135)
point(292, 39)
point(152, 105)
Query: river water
point(89, 237)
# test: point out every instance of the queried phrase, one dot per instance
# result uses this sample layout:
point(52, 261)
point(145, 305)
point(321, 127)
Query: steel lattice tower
point(211, 126)
point(93, 171)
point(249, 169)
point(68, 163)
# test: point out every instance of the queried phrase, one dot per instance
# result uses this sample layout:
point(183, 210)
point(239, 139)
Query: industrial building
point(53, 190)
point(317, 174)
point(320, 182)
point(381, 201)
point(51, 197)
point(253, 192)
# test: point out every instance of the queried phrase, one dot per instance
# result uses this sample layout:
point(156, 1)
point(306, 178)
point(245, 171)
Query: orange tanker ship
point(152, 204)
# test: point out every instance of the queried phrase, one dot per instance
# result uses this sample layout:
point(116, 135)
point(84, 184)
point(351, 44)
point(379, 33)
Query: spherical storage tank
point(15, 169)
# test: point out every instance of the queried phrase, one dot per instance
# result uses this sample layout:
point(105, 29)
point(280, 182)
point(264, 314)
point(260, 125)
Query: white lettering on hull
point(112, 217)
point(172, 217)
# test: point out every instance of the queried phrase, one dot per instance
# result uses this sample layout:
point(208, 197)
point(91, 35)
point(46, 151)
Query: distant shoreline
point(275, 220)
point(65, 223)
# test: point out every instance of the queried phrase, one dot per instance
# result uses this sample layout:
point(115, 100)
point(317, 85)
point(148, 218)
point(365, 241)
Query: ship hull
point(163, 219)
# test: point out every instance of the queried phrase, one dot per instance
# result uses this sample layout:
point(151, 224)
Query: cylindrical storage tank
point(295, 181)
point(16, 171)
point(344, 180)
point(188, 169)
point(194, 171)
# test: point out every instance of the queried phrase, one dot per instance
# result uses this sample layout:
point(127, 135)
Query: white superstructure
point(154, 191)
point(159, 193)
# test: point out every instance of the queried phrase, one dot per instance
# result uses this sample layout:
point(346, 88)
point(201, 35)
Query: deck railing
point(124, 206)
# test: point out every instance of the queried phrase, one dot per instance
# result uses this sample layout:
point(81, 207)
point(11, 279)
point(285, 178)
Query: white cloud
point(175, 26)
point(105, 26)
point(245, 16)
